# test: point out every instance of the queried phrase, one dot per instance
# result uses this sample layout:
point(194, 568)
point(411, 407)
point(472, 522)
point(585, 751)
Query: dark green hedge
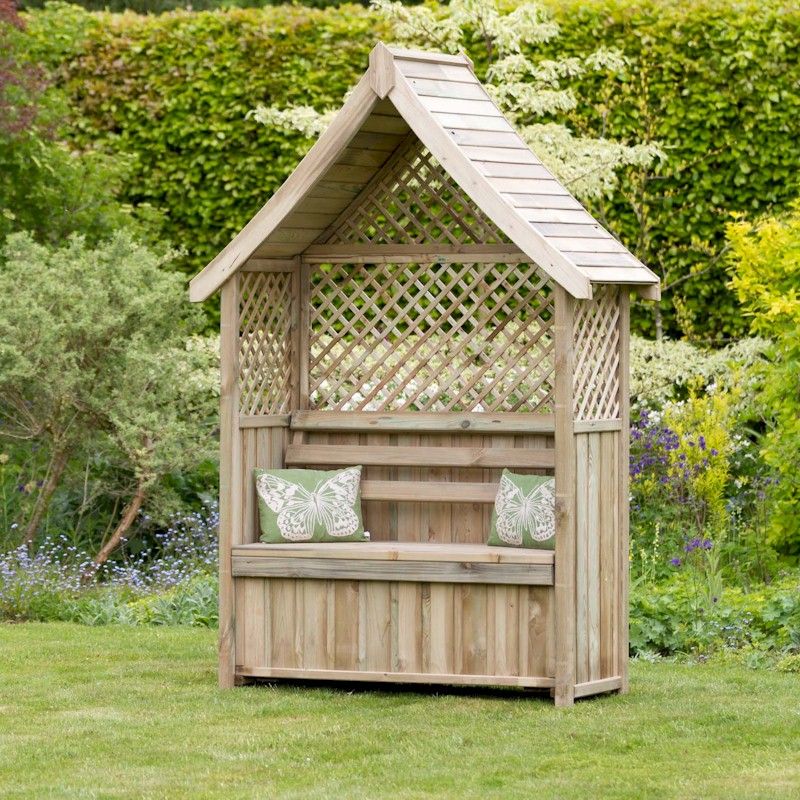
point(716, 82)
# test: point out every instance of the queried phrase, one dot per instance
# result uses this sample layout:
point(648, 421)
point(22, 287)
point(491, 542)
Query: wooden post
point(304, 333)
point(230, 484)
point(624, 472)
point(565, 555)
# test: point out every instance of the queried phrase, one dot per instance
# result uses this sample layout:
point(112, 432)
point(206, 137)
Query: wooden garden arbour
point(424, 298)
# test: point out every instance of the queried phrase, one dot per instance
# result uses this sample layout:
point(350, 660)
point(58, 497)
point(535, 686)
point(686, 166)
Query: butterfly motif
point(330, 504)
point(518, 513)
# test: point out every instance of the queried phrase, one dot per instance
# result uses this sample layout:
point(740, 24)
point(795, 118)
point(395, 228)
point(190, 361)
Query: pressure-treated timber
point(420, 422)
point(425, 299)
point(363, 569)
point(398, 551)
point(321, 454)
point(448, 679)
point(565, 623)
point(230, 478)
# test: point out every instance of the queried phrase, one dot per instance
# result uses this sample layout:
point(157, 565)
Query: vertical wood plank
point(564, 693)
point(346, 625)
point(252, 625)
point(608, 548)
point(282, 607)
point(230, 478)
point(442, 628)
point(582, 534)
point(473, 616)
point(593, 555)
point(538, 625)
point(315, 624)
point(378, 646)
point(409, 627)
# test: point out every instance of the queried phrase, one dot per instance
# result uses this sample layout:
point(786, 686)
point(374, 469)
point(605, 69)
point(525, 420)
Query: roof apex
point(438, 97)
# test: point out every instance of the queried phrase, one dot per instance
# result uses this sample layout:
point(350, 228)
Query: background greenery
point(714, 81)
point(123, 134)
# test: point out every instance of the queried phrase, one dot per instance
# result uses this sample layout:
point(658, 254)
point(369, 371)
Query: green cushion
point(310, 505)
point(524, 512)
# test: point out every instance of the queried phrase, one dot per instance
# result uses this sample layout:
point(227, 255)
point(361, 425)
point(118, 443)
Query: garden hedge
point(715, 82)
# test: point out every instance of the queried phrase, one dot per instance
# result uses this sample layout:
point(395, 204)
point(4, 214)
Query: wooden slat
point(460, 73)
point(528, 682)
point(420, 422)
point(493, 169)
point(414, 253)
point(548, 186)
point(598, 686)
point(447, 120)
point(584, 247)
point(590, 425)
point(420, 456)
point(398, 551)
point(529, 199)
point(429, 491)
point(382, 570)
point(500, 155)
point(433, 88)
point(264, 421)
point(458, 106)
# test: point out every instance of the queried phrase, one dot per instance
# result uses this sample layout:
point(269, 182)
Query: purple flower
point(676, 562)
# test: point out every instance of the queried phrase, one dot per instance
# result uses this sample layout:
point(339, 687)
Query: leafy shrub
point(95, 365)
point(671, 618)
point(765, 265)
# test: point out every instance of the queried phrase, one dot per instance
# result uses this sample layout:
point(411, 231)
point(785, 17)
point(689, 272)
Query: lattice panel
point(431, 337)
point(414, 201)
point(596, 381)
point(265, 347)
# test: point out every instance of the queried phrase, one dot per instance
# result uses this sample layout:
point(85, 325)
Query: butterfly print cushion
point(309, 505)
point(524, 512)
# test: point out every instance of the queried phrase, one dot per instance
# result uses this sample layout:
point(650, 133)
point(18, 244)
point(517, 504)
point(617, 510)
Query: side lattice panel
point(596, 381)
point(431, 337)
point(265, 344)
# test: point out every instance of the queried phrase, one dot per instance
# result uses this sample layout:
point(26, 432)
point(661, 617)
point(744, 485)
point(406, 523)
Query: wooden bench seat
point(396, 561)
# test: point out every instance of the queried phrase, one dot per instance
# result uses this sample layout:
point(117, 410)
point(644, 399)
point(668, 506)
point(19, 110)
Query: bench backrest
point(427, 477)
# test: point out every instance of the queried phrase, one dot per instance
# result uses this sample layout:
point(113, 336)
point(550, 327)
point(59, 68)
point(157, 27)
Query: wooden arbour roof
point(426, 115)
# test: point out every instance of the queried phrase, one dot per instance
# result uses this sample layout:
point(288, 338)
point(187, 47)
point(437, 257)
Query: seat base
point(396, 561)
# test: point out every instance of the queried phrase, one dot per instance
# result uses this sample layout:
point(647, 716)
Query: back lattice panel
point(596, 382)
point(431, 337)
point(265, 346)
point(413, 200)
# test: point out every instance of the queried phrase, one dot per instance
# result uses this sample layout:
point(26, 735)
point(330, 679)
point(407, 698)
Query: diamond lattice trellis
point(414, 201)
point(596, 382)
point(431, 337)
point(265, 347)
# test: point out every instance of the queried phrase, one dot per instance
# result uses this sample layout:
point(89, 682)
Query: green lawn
point(135, 712)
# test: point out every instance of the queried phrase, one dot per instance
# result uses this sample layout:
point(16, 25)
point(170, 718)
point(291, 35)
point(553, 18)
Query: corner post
point(230, 484)
point(624, 480)
point(565, 555)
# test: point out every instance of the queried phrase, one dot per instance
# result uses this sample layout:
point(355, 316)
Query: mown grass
point(134, 712)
